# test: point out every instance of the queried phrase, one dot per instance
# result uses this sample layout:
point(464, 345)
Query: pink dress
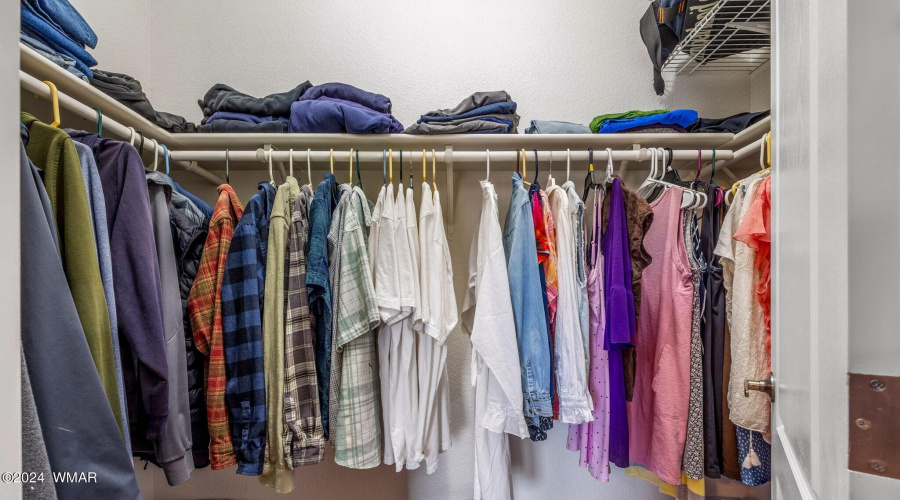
point(658, 413)
point(592, 438)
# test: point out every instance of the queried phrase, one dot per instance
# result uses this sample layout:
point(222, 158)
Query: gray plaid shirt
point(304, 441)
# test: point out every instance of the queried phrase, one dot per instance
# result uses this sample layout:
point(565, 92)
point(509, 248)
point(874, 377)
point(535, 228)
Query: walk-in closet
point(450, 250)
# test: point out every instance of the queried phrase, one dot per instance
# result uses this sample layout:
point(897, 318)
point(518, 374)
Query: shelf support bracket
point(451, 209)
point(623, 165)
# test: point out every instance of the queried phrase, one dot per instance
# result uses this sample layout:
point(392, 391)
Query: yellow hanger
point(433, 169)
point(351, 166)
point(390, 166)
point(331, 160)
point(424, 177)
point(54, 98)
point(524, 170)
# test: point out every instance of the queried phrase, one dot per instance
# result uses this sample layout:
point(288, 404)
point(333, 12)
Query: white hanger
point(155, 155)
point(308, 168)
point(550, 180)
point(609, 166)
point(291, 162)
point(271, 176)
point(133, 135)
point(568, 163)
point(488, 178)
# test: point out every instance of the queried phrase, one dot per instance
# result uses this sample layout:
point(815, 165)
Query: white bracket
point(451, 209)
point(623, 165)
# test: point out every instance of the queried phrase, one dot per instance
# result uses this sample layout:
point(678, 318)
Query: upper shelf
point(43, 69)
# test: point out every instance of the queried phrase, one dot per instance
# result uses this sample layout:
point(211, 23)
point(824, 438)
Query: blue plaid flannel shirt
point(242, 303)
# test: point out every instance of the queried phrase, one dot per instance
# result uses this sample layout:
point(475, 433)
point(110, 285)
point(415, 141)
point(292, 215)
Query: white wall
point(565, 60)
point(559, 60)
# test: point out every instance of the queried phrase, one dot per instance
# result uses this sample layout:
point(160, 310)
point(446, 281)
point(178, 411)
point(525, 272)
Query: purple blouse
point(620, 320)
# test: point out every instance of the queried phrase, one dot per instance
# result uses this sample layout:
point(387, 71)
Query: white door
point(809, 269)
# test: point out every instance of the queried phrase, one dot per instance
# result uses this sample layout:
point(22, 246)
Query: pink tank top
point(658, 413)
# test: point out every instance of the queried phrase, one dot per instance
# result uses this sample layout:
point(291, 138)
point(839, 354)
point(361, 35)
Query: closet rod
point(580, 155)
point(37, 87)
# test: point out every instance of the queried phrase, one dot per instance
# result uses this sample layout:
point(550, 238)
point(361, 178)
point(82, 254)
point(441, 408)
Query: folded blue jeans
point(63, 16)
point(35, 26)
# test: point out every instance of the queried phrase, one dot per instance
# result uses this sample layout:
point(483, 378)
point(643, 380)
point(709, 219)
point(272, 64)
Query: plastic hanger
point(609, 167)
point(589, 178)
point(488, 177)
point(308, 167)
point(291, 162)
point(99, 121)
point(391, 166)
point(537, 166)
point(433, 170)
point(132, 136)
point(166, 152)
point(271, 175)
point(384, 167)
point(227, 177)
point(525, 169)
point(401, 167)
point(568, 163)
point(331, 160)
point(54, 100)
point(550, 180)
point(410, 170)
point(358, 175)
point(424, 177)
point(155, 155)
point(351, 166)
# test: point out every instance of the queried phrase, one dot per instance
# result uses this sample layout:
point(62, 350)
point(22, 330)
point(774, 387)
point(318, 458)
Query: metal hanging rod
point(41, 89)
point(319, 155)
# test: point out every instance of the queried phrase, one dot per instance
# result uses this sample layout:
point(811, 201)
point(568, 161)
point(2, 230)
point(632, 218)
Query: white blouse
point(496, 374)
point(575, 402)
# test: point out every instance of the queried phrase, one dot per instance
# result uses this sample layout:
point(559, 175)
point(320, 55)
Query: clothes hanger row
point(765, 164)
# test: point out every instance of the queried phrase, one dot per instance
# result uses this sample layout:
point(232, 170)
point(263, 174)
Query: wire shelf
point(733, 35)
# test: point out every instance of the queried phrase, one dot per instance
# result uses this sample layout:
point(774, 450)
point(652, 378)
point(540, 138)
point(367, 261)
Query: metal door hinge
point(875, 425)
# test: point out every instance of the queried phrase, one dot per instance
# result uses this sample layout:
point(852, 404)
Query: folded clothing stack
point(54, 29)
point(480, 113)
point(556, 127)
point(129, 92)
point(660, 120)
point(733, 123)
point(226, 110)
point(342, 108)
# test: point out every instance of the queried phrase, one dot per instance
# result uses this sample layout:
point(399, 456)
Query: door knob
point(766, 385)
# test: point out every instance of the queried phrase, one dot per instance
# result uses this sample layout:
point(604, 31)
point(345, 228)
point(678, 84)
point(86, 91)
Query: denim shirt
point(319, 287)
point(243, 285)
point(528, 304)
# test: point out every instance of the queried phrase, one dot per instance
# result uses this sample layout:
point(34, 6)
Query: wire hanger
point(227, 177)
point(308, 167)
point(488, 177)
point(54, 99)
point(291, 162)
